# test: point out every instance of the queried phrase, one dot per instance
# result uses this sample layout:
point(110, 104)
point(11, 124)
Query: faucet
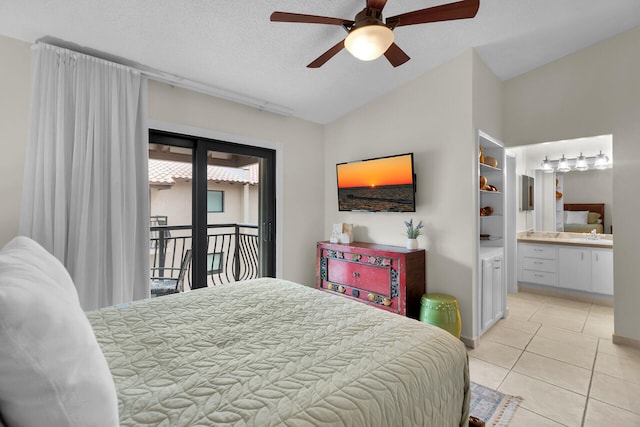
point(593, 236)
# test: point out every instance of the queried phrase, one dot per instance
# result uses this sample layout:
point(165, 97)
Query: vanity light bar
point(581, 163)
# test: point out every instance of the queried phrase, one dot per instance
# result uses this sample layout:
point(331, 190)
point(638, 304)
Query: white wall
point(15, 82)
point(593, 92)
point(431, 117)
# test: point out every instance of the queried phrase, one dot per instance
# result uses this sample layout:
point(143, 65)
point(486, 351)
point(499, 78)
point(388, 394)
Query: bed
point(260, 352)
point(584, 217)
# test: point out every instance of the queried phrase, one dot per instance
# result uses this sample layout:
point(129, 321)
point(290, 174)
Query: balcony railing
point(232, 253)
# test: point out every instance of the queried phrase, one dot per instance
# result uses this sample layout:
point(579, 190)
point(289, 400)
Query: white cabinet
point(581, 268)
point(574, 268)
point(538, 264)
point(492, 290)
point(602, 271)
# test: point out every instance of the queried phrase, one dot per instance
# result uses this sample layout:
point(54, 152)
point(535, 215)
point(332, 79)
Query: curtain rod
point(172, 79)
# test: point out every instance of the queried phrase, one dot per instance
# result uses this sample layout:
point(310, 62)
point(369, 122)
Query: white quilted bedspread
point(271, 352)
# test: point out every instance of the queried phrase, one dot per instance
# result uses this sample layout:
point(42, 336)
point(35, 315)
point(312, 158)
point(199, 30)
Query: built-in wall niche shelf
point(491, 229)
point(483, 166)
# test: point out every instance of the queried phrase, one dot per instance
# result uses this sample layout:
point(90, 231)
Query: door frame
point(196, 132)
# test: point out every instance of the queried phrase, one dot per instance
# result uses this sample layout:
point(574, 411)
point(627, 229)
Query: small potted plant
point(412, 233)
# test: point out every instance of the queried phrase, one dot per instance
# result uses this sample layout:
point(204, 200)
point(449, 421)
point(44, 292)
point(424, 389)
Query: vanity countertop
point(568, 239)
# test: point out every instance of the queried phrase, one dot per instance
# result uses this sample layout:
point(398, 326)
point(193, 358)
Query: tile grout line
point(593, 368)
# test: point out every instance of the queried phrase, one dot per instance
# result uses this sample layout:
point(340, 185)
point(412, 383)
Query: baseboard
point(630, 342)
point(566, 294)
point(470, 342)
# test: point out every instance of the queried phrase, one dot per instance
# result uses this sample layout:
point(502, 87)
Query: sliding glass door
point(231, 208)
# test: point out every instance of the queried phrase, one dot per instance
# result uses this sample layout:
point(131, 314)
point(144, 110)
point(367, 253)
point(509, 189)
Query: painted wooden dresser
point(388, 277)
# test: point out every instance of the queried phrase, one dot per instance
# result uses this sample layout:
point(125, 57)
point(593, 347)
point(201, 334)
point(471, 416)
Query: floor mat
point(491, 406)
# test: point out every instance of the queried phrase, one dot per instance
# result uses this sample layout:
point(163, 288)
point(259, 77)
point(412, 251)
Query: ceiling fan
point(369, 36)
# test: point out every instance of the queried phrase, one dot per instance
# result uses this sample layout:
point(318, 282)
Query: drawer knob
point(386, 302)
point(356, 274)
point(330, 286)
point(371, 297)
point(341, 289)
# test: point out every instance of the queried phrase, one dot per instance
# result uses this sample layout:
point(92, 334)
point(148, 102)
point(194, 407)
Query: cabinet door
point(486, 294)
point(498, 290)
point(602, 271)
point(574, 268)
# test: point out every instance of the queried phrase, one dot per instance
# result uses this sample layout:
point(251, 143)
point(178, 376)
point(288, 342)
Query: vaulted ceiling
point(232, 47)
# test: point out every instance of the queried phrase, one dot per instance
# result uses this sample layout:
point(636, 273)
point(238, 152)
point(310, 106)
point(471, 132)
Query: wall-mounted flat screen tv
point(384, 184)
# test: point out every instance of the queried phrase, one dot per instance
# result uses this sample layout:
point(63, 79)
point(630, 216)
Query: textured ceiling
point(232, 45)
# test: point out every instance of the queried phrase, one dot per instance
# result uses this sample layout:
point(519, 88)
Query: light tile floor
point(558, 356)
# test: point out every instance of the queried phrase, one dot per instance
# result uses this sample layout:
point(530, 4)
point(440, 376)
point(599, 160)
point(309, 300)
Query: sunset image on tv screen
point(384, 184)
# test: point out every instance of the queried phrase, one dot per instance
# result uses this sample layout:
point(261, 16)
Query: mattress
point(272, 352)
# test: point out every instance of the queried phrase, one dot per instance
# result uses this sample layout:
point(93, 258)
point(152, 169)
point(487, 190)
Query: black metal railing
point(232, 253)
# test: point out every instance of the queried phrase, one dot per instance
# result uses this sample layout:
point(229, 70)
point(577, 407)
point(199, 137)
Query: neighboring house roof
point(166, 172)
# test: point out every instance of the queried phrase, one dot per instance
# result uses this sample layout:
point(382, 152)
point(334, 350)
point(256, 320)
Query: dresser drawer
point(540, 277)
point(369, 278)
point(539, 264)
point(539, 251)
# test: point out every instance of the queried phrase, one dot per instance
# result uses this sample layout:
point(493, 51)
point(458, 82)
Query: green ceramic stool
point(441, 310)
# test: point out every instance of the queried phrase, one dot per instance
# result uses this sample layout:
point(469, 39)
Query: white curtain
point(85, 196)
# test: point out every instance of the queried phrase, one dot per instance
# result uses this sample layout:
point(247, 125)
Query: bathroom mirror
point(527, 193)
point(544, 212)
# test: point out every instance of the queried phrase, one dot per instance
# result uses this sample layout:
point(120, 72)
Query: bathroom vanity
point(575, 263)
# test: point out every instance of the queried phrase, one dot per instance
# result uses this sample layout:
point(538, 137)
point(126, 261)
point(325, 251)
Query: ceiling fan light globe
point(369, 42)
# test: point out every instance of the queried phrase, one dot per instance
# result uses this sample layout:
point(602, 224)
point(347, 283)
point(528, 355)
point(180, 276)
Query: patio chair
point(171, 285)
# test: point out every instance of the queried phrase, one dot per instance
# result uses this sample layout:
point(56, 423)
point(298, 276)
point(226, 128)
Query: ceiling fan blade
point(395, 55)
point(446, 12)
point(319, 62)
point(376, 4)
point(308, 19)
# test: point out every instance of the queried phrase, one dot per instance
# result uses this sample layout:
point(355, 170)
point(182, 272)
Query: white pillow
point(577, 217)
point(52, 371)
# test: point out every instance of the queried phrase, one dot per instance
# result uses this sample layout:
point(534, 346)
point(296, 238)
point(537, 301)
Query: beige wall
point(175, 203)
point(593, 92)
point(431, 117)
point(15, 82)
